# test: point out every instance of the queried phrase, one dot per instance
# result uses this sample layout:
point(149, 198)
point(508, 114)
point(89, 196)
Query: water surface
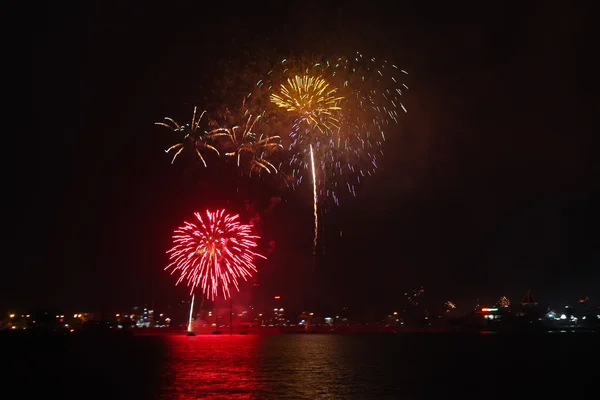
point(312, 366)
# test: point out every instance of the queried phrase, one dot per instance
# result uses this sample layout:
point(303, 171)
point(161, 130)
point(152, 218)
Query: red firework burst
point(214, 253)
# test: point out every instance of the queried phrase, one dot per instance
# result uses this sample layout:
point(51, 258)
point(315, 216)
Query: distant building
point(528, 300)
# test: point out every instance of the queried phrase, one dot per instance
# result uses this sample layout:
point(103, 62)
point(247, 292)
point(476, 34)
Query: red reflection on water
point(211, 366)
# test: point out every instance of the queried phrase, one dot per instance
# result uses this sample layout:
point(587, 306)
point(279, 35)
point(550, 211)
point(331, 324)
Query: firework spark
point(192, 136)
point(413, 297)
point(449, 305)
point(214, 253)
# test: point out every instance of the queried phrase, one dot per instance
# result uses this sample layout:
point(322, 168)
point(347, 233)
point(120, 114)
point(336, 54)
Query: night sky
point(487, 187)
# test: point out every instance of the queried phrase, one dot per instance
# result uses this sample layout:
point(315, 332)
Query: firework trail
point(315, 202)
point(193, 136)
point(191, 314)
point(213, 253)
point(313, 101)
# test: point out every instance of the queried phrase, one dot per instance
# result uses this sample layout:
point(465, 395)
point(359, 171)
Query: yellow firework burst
point(248, 143)
point(192, 136)
point(312, 98)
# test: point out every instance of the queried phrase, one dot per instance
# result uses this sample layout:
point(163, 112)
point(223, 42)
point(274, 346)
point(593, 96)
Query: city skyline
point(416, 313)
point(266, 303)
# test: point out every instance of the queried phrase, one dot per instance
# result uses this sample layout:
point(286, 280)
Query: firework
point(310, 97)
point(193, 137)
point(353, 101)
point(214, 253)
point(251, 149)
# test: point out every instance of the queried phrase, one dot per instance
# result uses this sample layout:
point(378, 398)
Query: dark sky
point(487, 188)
